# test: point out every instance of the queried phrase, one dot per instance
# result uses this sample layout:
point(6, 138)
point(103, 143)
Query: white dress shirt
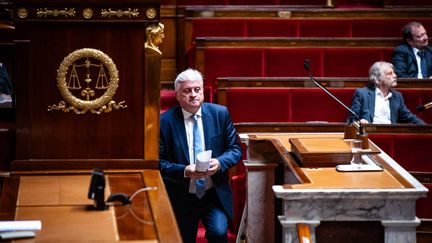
point(382, 108)
point(418, 60)
point(189, 135)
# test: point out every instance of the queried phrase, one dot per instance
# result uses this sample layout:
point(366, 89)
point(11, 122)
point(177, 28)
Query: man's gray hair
point(376, 71)
point(188, 75)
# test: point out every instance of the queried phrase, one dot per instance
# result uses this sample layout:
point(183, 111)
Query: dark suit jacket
point(220, 137)
point(363, 104)
point(5, 85)
point(405, 62)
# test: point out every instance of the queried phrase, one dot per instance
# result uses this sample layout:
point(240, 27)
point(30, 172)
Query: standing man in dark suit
point(413, 59)
point(379, 103)
point(177, 166)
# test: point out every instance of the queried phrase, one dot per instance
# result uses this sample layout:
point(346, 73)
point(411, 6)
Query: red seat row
point(285, 27)
point(411, 151)
point(287, 62)
point(305, 104)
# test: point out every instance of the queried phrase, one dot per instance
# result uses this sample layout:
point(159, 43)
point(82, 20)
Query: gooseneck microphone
point(307, 67)
point(424, 107)
point(361, 133)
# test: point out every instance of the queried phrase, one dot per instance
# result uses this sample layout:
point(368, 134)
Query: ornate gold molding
point(85, 64)
point(119, 13)
point(130, 13)
point(45, 12)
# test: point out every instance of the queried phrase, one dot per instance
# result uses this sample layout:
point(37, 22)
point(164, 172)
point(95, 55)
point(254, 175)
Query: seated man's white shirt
point(382, 108)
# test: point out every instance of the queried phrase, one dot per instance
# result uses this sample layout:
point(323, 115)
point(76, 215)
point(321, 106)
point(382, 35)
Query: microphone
point(307, 67)
point(424, 107)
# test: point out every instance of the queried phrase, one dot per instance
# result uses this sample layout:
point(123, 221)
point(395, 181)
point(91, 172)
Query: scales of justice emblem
point(87, 80)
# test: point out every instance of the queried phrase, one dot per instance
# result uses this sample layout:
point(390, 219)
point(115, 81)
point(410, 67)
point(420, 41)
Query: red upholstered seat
point(383, 141)
point(201, 236)
point(412, 151)
point(426, 97)
point(272, 27)
point(423, 205)
point(238, 185)
point(218, 27)
point(382, 28)
point(313, 104)
point(228, 62)
point(167, 100)
point(258, 105)
point(287, 104)
point(288, 62)
point(412, 98)
point(351, 62)
point(324, 28)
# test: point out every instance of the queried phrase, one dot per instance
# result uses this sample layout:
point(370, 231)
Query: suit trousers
point(210, 211)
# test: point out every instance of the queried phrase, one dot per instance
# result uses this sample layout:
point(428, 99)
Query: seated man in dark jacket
point(413, 59)
point(379, 103)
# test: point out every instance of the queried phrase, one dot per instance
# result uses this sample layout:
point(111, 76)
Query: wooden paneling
point(50, 137)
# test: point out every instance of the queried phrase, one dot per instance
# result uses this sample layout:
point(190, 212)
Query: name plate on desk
point(324, 152)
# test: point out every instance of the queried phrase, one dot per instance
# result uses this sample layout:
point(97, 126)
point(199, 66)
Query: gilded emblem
point(87, 13)
point(87, 80)
point(22, 13)
point(151, 13)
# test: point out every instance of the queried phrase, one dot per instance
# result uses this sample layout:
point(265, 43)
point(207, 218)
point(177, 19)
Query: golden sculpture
point(154, 37)
point(97, 96)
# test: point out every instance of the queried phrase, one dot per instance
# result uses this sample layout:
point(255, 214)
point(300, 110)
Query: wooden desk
point(60, 202)
point(383, 202)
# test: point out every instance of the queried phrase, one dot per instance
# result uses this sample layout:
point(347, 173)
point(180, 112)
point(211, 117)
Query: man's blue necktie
point(198, 148)
point(423, 64)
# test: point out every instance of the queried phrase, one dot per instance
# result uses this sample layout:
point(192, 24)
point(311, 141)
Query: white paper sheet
point(20, 225)
point(203, 161)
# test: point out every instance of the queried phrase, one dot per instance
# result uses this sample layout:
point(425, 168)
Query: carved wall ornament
point(87, 13)
point(45, 12)
point(22, 13)
point(119, 13)
point(96, 92)
point(151, 13)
